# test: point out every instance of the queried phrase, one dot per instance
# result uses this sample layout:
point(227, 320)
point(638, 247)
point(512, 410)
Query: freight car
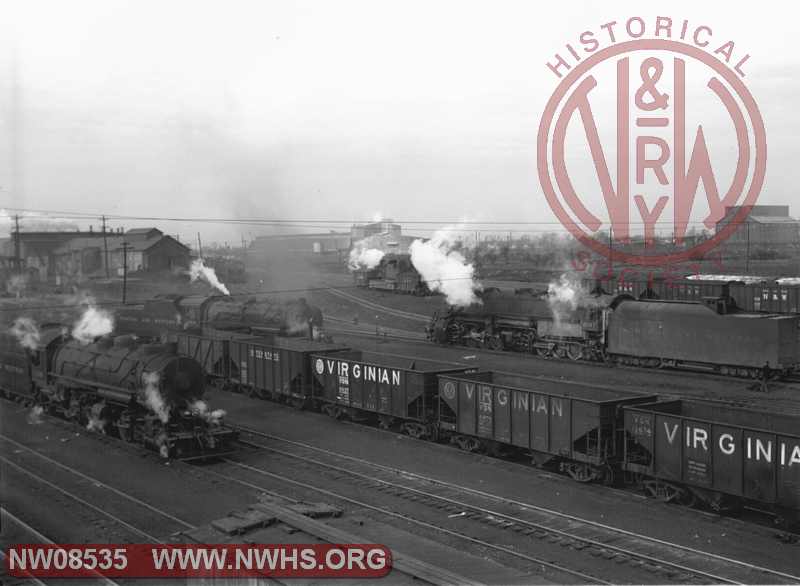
point(397, 392)
point(723, 455)
point(394, 273)
point(266, 366)
point(146, 394)
point(585, 431)
point(174, 313)
point(573, 426)
point(750, 293)
point(713, 334)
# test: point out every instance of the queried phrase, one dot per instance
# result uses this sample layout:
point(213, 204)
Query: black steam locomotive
point(711, 334)
point(142, 393)
point(174, 313)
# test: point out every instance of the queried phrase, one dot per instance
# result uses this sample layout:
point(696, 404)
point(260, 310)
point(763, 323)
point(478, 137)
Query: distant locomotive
point(192, 312)
point(145, 394)
point(395, 273)
point(712, 334)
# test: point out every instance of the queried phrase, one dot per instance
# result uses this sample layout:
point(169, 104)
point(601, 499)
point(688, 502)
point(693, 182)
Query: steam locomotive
point(142, 393)
point(174, 313)
point(394, 273)
point(711, 334)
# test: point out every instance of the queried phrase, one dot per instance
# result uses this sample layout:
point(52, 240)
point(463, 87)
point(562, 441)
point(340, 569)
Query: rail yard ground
point(488, 519)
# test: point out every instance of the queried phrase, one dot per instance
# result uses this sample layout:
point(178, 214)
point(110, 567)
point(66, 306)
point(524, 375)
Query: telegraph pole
point(105, 247)
point(124, 271)
point(17, 259)
point(199, 247)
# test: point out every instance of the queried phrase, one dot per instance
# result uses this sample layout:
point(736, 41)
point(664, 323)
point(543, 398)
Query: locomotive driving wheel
point(574, 351)
point(494, 342)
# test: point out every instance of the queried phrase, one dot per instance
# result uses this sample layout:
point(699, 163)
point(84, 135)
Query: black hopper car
point(675, 451)
point(142, 393)
point(711, 334)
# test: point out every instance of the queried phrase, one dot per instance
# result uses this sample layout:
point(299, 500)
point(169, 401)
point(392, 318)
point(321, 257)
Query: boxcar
point(722, 454)
point(578, 427)
point(264, 366)
point(693, 334)
point(397, 391)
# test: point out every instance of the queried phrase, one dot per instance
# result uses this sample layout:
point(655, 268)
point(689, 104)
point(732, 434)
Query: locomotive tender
point(143, 393)
point(711, 334)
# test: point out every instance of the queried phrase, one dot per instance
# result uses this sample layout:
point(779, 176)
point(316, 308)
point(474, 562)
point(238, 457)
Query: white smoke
point(564, 296)
point(96, 424)
point(445, 269)
point(361, 256)
point(35, 415)
point(26, 332)
point(152, 396)
point(199, 270)
point(93, 323)
point(200, 408)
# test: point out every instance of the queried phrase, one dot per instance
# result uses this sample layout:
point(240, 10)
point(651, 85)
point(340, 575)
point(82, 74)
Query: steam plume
point(152, 396)
point(93, 323)
point(200, 408)
point(35, 415)
point(361, 256)
point(563, 297)
point(199, 270)
point(26, 333)
point(445, 269)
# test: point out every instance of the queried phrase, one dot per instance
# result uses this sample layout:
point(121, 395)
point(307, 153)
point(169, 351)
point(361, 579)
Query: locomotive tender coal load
point(720, 454)
point(143, 393)
point(712, 334)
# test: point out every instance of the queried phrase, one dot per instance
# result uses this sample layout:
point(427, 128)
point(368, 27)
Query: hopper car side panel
point(717, 452)
point(562, 421)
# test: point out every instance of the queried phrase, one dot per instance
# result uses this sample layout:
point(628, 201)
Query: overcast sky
point(326, 109)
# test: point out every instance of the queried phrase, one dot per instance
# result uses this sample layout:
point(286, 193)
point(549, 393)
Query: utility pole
point(199, 247)
point(124, 271)
point(747, 255)
point(17, 259)
point(105, 248)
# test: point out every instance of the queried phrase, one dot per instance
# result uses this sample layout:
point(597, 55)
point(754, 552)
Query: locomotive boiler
point(172, 313)
point(142, 393)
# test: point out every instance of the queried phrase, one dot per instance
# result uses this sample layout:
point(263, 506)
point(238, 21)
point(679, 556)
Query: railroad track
point(100, 499)
point(671, 562)
point(360, 504)
point(378, 307)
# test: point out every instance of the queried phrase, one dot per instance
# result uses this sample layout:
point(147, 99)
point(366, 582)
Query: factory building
point(766, 226)
point(73, 256)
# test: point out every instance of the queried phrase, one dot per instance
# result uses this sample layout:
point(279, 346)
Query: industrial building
point(73, 256)
point(766, 226)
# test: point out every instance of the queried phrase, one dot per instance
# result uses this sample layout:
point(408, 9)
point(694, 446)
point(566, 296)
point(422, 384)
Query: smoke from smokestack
point(361, 256)
point(200, 408)
point(444, 269)
point(26, 332)
point(152, 396)
point(564, 296)
point(199, 270)
point(93, 323)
